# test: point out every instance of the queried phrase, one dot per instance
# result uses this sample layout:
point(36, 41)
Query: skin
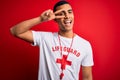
point(63, 16)
point(65, 30)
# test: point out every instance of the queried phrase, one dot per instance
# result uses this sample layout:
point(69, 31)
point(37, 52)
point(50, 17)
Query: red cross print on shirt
point(63, 63)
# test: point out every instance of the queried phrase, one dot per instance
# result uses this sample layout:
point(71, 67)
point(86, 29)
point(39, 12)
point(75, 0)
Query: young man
point(62, 53)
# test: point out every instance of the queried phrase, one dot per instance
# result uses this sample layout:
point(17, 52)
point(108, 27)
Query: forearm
point(87, 73)
point(25, 26)
point(87, 78)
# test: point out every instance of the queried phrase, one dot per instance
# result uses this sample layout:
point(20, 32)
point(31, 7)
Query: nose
point(66, 15)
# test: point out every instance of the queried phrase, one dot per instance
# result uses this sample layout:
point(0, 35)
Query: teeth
point(67, 21)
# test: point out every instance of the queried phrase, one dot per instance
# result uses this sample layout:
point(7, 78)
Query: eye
point(60, 14)
point(70, 11)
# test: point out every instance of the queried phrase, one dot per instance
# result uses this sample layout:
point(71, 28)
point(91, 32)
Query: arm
point(87, 72)
point(22, 30)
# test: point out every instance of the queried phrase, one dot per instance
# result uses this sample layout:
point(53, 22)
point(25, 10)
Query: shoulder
point(43, 34)
point(82, 41)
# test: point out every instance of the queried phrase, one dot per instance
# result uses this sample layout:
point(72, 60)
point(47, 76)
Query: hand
point(50, 15)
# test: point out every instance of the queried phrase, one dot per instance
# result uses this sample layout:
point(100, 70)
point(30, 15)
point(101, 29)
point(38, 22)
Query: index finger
point(56, 12)
point(58, 17)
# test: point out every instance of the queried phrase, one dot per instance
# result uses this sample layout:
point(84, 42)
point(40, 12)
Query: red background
point(95, 20)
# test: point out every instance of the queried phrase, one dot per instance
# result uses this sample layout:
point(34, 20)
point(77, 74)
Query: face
point(65, 23)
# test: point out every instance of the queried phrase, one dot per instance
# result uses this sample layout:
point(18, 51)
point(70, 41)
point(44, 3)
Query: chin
point(65, 27)
point(68, 29)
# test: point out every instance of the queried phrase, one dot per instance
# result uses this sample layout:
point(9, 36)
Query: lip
point(67, 22)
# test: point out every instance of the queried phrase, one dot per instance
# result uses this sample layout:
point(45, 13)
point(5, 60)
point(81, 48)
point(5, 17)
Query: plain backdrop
point(98, 21)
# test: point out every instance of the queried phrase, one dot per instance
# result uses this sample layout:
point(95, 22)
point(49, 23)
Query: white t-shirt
point(48, 42)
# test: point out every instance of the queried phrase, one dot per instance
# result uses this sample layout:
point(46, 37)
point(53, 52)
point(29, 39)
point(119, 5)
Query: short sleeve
point(88, 59)
point(36, 38)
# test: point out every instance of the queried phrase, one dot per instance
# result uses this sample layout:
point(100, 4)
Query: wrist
point(40, 19)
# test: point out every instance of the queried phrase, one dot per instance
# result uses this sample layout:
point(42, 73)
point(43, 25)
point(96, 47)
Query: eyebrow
point(70, 10)
point(67, 10)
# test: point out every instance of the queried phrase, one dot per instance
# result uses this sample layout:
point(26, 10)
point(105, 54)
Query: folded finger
point(47, 12)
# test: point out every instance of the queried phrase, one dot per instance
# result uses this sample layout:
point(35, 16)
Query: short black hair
point(61, 2)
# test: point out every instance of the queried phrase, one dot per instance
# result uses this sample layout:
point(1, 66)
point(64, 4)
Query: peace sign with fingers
point(50, 15)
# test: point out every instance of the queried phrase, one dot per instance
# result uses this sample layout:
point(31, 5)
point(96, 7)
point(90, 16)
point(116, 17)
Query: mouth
point(67, 22)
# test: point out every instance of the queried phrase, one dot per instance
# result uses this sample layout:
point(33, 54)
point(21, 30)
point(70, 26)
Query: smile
point(67, 22)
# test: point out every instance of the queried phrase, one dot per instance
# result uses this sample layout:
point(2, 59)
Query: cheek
point(72, 17)
point(59, 22)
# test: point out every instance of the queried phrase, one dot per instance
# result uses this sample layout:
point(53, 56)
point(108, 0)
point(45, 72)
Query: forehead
point(64, 7)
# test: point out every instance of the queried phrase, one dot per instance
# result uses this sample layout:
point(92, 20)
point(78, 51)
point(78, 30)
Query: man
point(62, 53)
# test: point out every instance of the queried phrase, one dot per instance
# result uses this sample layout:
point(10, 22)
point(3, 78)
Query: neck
point(68, 34)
